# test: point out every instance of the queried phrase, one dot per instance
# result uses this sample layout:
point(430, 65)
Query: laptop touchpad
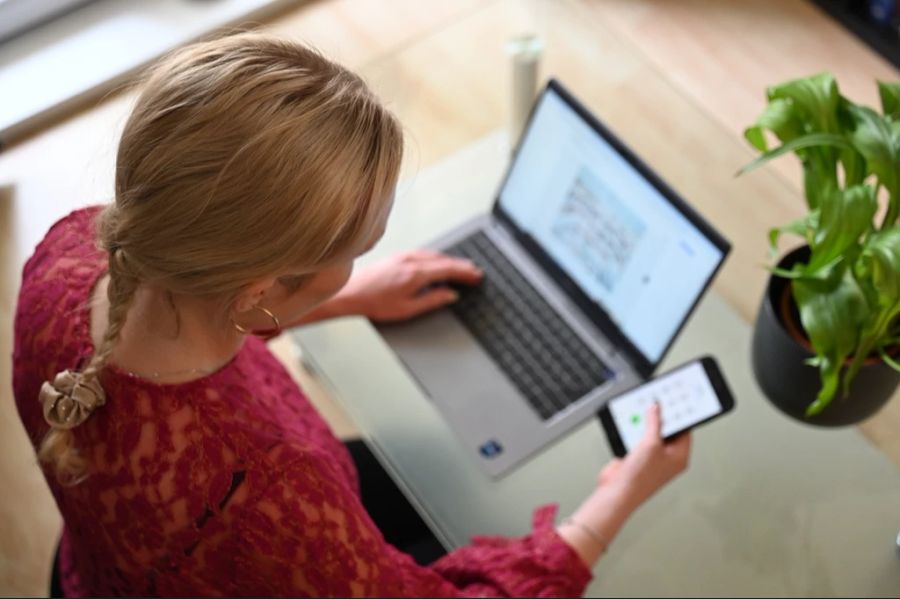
point(448, 363)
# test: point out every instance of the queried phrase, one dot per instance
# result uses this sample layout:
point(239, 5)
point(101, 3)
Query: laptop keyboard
point(536, 349)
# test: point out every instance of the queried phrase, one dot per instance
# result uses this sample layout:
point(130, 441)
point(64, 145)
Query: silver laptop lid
point(621, 242)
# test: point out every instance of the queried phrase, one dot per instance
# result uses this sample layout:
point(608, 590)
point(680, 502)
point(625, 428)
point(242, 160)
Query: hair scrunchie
point(69, 400)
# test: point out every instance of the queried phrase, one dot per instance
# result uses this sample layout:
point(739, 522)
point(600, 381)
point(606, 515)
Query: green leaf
point(819, 174)
point(888, 359)
point(802, 227)
point(830, 375)
point(890, 98)
point(780, 118)
point(845, 215)
point(862, 272)
point(854, 168)
point(879, 263)
point(853, 162)
point(832, 318)
point(878, 140)
point(876, 330)
point(875, 138)
point(807, 141)
point(814, 99)
point(786, 274)
point(882, 256)
point(824, 278)
point(801, 108)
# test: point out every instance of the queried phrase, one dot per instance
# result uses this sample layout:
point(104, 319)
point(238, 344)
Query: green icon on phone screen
point(636, 419)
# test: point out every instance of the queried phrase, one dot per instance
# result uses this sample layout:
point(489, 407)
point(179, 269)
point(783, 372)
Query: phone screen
point(685, 395)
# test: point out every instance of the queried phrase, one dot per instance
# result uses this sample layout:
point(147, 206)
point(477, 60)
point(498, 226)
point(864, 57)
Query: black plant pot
point(790, 384)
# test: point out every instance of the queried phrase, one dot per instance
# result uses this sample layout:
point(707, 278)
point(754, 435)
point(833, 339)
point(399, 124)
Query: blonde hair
point(244, 157)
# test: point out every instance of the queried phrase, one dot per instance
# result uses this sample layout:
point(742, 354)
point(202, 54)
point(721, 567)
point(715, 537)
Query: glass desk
point(768, 506)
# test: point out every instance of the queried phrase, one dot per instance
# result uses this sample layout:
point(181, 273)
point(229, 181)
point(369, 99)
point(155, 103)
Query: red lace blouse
point(231, 484)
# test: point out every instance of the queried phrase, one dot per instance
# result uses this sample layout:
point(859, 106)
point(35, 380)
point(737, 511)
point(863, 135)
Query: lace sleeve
point(308, 534)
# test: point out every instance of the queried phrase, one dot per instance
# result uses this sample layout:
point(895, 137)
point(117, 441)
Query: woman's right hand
point(624, 484)
point(650, 465)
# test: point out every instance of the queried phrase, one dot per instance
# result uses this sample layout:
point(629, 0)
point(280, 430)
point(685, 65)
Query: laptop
point(592, 266)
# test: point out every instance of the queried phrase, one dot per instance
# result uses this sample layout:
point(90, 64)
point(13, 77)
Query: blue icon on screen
point(491, 449)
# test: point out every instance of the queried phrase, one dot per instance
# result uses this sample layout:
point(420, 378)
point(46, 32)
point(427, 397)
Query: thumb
point(654, 423)
point(433, 299)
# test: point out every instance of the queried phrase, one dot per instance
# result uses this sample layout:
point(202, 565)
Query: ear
point(254, 294)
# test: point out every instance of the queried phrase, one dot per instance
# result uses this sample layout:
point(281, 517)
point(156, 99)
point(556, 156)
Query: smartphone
point(690, 395)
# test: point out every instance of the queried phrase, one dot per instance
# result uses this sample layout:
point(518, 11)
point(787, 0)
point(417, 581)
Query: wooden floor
point(433, 63)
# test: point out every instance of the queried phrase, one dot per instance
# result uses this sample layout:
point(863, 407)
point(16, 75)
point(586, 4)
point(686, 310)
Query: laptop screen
point(624, 242)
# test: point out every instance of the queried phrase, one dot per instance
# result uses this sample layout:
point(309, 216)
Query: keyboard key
point(532, 345)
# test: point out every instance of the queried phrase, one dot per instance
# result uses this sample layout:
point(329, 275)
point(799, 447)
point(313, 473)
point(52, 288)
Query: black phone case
point(716, 379)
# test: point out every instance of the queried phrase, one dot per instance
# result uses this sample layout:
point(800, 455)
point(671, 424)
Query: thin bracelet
point(588, 531)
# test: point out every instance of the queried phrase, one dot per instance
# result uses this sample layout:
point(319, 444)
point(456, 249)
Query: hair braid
point(58, 446)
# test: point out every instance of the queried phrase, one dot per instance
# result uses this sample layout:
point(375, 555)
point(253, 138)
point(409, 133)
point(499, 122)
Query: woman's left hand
point(406, 285)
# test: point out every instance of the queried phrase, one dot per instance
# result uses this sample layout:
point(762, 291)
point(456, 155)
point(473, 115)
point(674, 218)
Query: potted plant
point(825, 337)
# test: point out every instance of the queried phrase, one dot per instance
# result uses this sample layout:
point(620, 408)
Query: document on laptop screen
point(606, 226)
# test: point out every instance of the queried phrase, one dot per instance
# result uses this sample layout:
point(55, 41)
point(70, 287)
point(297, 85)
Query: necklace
point(157, 375)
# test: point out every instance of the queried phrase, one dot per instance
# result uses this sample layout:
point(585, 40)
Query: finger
point(426, 254)
point(678, 451)
point(431, 300)
point(654, 424)
point(681, 444)
point(447, 269)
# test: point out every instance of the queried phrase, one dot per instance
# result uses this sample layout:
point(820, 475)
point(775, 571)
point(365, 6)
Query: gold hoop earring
point(265, 333)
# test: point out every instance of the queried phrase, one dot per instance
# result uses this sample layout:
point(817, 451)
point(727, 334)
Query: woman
point(183, 458)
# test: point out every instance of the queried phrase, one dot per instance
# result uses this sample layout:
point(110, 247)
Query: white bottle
point(525, 52)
